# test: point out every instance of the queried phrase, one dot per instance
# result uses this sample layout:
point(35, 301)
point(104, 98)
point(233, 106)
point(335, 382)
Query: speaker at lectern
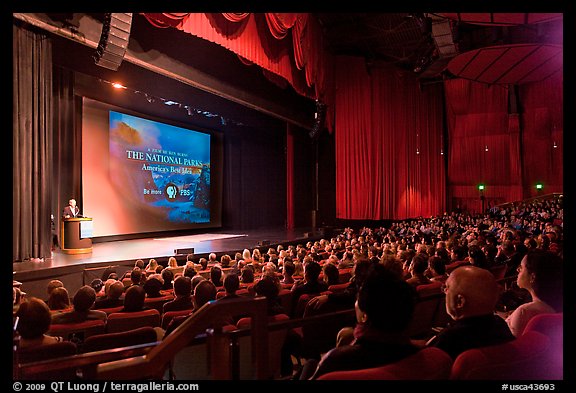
point(76, 235)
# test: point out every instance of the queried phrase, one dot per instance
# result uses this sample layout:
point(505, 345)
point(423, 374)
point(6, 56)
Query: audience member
point(437, 269)
point(268, 287)
point(34, 320)
point(82, 302)
point(98, 286)
point(204, 292)
point(288, 270)
point(216, 275)
point(189, 271)
point(151, 267)
point(247, 275)
point(231, 285)
point(59, 299)
point(182, 295)
point(134, 299)
point(417, 269)
point(153, 286)
point(384, 309)
point(51, 285)
point(471, 297)
point(331, 274)
point(541, 273)
point(309, 285)
point(113, 290)
point(168, 276)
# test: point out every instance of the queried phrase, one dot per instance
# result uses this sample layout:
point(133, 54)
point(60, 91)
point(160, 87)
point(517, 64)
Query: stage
point(75, 270)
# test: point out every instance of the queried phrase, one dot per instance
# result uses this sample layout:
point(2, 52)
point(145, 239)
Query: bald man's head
point(471, 291)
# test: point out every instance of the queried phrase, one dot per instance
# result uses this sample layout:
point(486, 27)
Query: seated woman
point(384, 308)
point(34, 321)
point(540, 273)
point(59, 300)
point(134, 299)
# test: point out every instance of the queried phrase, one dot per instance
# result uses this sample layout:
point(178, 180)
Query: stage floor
point(125, 252)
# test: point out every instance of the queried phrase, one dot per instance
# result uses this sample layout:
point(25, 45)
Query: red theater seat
point(429, 363)
point(169, 315)
point(122, 321)
point(46, 352)
point(128, 338)
point(524, 358)
point(78, 332)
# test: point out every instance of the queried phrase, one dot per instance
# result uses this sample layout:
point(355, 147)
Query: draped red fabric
point(235, 16)
point(164, 20)
point(280, 23)
point(542, 120)
point(483, 144)
point(388, 138)
point(259, 38)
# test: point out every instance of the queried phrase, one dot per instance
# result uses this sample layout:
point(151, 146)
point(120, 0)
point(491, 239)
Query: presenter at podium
point(71, 210)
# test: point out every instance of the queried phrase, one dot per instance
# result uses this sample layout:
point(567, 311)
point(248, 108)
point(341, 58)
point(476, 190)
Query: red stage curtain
point(483, 144)
point(542, 121)
point(388, 144)
point(262, 39)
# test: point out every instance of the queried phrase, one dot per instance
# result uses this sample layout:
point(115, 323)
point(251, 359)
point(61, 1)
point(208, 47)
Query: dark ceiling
point(424, 43)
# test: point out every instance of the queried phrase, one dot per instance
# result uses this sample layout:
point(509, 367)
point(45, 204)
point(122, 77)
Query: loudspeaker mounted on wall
point(113, 40)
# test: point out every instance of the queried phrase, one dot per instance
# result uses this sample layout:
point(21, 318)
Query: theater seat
point(41, 353)
point(77, 332)
point(45, 352)
point(128, 338)
point(275, 343)
point(521, 359)
point(551, 325)
point(122, 321)
point(169, 315)
point(429, 363)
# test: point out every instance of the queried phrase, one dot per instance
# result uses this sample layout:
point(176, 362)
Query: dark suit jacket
point(178, 304)
point(472, 332)
point(68, 211)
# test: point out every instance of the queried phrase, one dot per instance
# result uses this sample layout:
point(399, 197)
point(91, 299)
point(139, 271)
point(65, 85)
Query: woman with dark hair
point(34, 322)
point(59, 299)
point(134, 299)
point(477, 257)
point(540, 273)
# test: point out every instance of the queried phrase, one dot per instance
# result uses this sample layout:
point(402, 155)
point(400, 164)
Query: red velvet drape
point(483, 145)
point(261, 39)
point(542, 129)
point(508, 152)
point(388, 144)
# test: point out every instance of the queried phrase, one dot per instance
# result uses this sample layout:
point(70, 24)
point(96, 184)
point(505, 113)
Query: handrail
point(154, 363)
point(89, 363)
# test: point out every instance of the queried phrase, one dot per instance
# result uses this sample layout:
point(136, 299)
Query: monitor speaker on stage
point(184, 251)
point(263, 243)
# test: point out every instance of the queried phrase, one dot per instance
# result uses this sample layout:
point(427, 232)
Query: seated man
point(471, 297)
point(384, 308)
point(182, 295)
point(83, 302)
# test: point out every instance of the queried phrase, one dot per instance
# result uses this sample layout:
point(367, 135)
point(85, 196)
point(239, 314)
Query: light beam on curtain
point(483, 144)
point(383, 119)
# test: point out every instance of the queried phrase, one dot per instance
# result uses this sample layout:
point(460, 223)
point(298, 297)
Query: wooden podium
point(72, 239)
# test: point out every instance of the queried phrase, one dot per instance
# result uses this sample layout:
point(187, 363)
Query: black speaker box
point(183, 251)
point(114, 40)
